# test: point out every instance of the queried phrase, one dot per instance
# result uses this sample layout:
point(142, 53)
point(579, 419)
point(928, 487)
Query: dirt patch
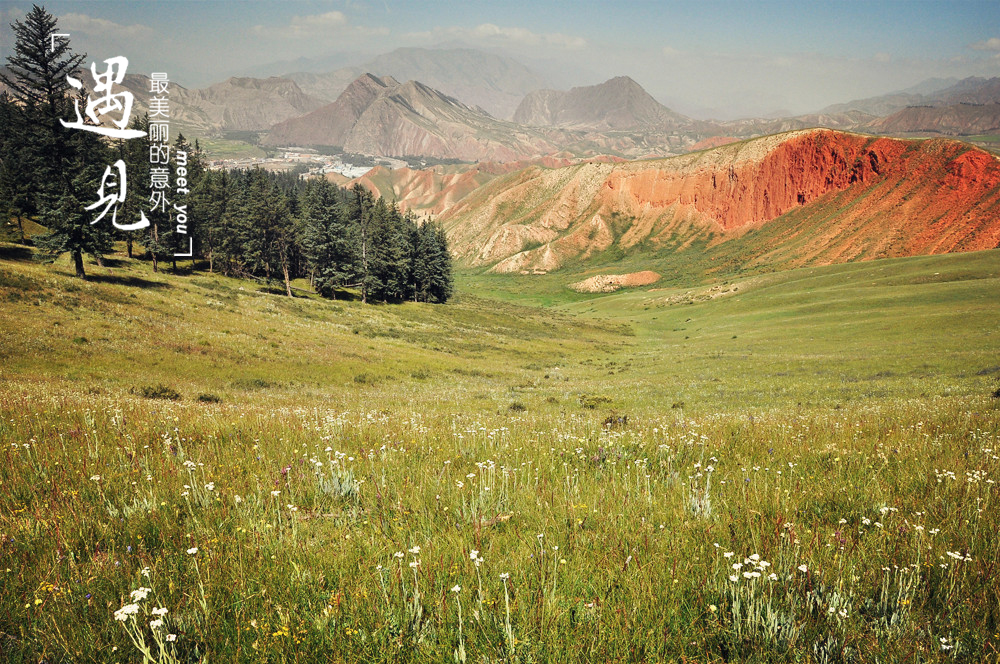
point(699, 294)
point(608, 283)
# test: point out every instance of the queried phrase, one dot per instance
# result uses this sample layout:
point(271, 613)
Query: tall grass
point(301, 515)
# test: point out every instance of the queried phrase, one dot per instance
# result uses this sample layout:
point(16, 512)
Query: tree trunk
point(211, 261)
point(100, 260)
point(156, 242)
point(128, 245)
point(20, 227)
point(288, 282)
point(78, 263)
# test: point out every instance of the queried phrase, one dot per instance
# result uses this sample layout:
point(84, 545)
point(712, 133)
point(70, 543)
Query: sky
point(709, 59)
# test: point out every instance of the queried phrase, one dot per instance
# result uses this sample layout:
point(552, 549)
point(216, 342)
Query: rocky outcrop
point(609, 283)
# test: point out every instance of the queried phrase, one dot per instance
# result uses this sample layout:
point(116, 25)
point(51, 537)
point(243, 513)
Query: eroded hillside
point(836, 197)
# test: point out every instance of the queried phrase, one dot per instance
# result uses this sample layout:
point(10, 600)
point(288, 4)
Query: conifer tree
point(58, 165)
point(328, 242)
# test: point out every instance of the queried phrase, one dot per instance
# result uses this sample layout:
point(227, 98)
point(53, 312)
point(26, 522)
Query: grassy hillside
point(800, 470)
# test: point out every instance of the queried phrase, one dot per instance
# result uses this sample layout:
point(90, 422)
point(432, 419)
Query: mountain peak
point(618, 103)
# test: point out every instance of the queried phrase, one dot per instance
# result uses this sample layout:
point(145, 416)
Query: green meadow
point(785, 467)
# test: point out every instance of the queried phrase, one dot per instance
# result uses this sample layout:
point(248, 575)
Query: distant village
point(316, 163)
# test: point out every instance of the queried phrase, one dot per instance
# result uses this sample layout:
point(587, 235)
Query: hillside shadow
point(16, 252)
point(125, 280)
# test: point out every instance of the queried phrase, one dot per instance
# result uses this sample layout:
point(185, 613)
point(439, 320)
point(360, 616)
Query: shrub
point(159, 392)
point(209, 398)
point(592, 401)
point(252, 383)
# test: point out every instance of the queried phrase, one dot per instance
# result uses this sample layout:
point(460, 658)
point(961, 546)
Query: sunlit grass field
point(794, 467)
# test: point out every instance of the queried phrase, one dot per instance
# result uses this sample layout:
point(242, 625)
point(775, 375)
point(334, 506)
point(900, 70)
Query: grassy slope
point(904, 327)
point(127, 328)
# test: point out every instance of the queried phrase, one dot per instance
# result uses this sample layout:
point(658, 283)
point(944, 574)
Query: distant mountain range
point(470, 105)
point(494, 83)
point(385, 117)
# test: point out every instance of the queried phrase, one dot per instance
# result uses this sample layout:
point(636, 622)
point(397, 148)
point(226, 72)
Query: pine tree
point(57, 165)
point(135, 153)
point(211, 199)
point(269, 232)
point(327, 239)
point(361, 209)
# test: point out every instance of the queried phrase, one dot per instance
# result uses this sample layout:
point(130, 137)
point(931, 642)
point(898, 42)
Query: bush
point(159, 392)
point(592, 401)
point(517, 407)
point(209, 398)
point(252, 383)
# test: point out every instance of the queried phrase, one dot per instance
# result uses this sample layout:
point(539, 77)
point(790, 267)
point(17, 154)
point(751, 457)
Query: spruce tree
point(62, 169)
point(328, 241)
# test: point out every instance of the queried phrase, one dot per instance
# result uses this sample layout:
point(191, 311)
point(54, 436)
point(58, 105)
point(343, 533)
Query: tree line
point(274, 227)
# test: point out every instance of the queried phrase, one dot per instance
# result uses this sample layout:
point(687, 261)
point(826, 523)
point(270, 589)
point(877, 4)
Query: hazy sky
point(718, 59)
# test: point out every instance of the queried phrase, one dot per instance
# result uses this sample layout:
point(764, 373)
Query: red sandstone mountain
point(819, 196)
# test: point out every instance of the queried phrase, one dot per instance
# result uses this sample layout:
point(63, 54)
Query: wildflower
point(275, 493)
point(398, 554)
point(210, 486)
point(415, 550)
point(171, 637)
point(504, 576)
point(772, 577)
point(456, 589)
point(123, 613)
point(140, 594)
point(734, 578)
point(95, 478)
point(193, 550)
point(803, 569)
point(414, 564)
point(945, 643)
point(713, 608)
point(162, 611)
point(155, 624)
point(728, 554)
point(145, 572)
